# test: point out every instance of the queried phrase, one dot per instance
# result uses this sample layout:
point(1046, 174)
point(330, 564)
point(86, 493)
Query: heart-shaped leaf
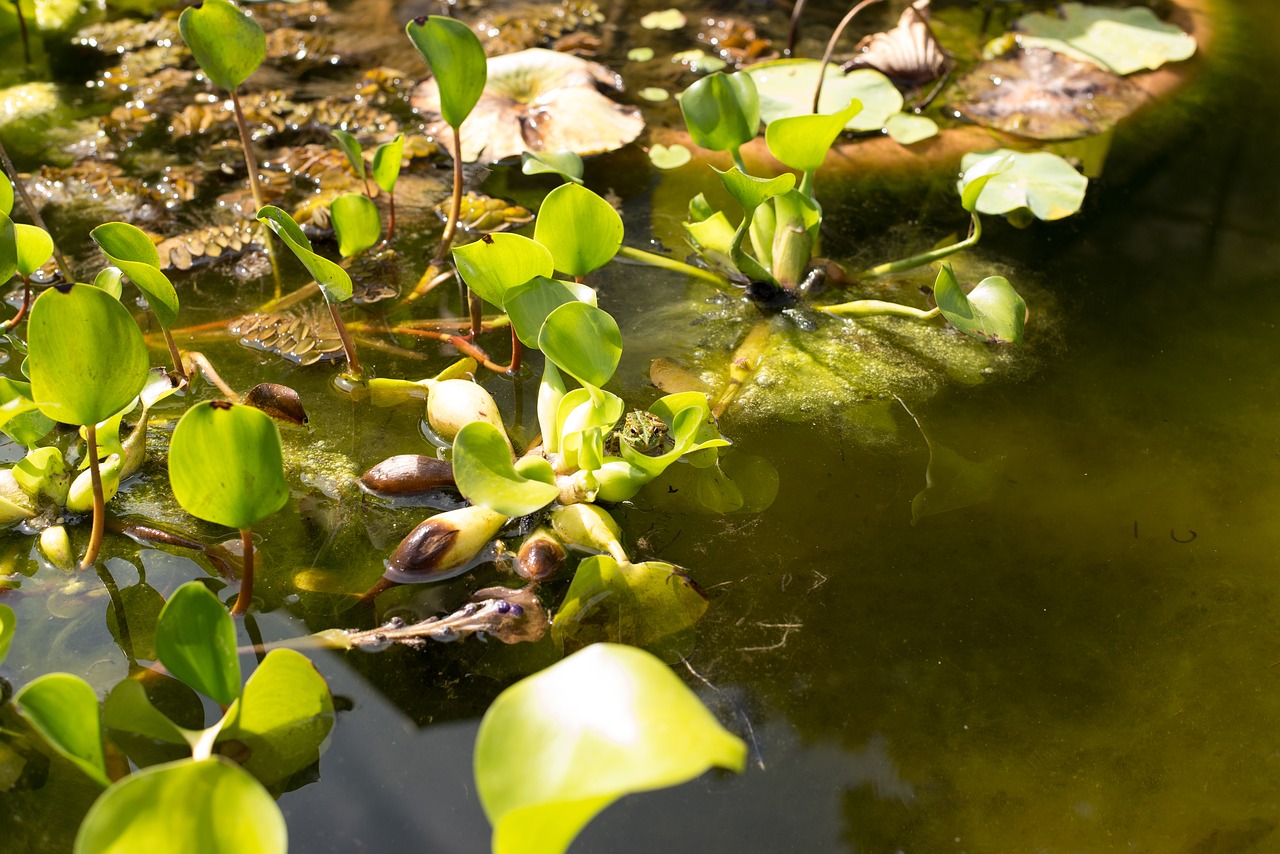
point(1038, 181)
point(87, 359)
point(582, 230)
point(669, 157)
point(722, 111)
point(226, 465)
point(908, 129)
point(127, 247)
point(802, 142)
point(351, 147)
point(34, 247)
point(356, 223)
point(333, 280)
point(64, 709)
point(497, 263)
point(1122, 40)
point(386, 163)
point(457, 61)
point(183, 806)
point(196, 641)
point(566, 164)
point(558, 747)
point(228, 44)
point(485, 475)
point(583, 341)
point(992, 311)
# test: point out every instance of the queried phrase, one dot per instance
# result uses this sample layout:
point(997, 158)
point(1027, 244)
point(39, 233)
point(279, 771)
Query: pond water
point(1088, 661)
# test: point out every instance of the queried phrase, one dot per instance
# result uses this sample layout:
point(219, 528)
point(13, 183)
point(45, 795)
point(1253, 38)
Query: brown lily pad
point(1040, 94)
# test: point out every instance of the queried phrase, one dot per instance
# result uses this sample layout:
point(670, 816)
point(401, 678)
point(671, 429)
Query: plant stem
point(63, 267)
point(663, 262)
point(517, 352)
point(745, 359)
point(806, 183)
point(738, 161)
point(250, 161)
point(477, 312)
point(927, 257)
point(22, 25)
point(173, 354)
point(794, 32)
point(349, 348)
point(245, 597)
point(880, 308)
point(22, 309)
point(99, 504)
point(455, 206)
point(831, 46)
point(201, 363)
point(391, 218)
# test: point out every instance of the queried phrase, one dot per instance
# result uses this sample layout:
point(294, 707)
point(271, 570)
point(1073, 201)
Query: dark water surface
point(1087, 662)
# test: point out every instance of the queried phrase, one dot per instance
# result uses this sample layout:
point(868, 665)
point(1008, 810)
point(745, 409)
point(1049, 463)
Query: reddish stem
point(245, 597)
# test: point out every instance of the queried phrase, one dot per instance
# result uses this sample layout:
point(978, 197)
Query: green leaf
point(722, 111)
point(485, 475)
point(1122, 40)
point(529, 304)
point(786, 89)
point(196, 641)
point(333, 280)
point(1043, 183)
point(750, 191)
point(129, 249)
point(457, 61)
point(558, 747)
point(185, 806)
point(351, 147)
point(992, 311)
point(356, 222)
point(8, 248)
point(669, 157)
point(566, 164)
point(87, 359)
point(386, 163)
point(34, 246)
point(583, 341)
point(226, 465)
point(110, 279)
point(802, 142)
point(20, 418)
point(6, 195)
point(129, 710)
point(8, 622)
point(228, 44)
point(499, 262)
point(582, 230)
point(908, 129)
point(44, 472)
point(974, 179)
point(283, 716)
point(64, 709)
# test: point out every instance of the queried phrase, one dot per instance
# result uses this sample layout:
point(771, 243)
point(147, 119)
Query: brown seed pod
point(406, 474)
point(279, 401)
point(443, 545)
point(541, 556)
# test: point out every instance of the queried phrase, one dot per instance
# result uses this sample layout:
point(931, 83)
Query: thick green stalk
point(880, 308)
point(99, 503)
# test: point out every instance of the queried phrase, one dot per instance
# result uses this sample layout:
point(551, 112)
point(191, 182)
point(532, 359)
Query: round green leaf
point(127, 247)
point(87, 359)
point(722, 111)
point(228, 44)
point(583, 341)
point(499, 262)
point(485, 475)
point(6, 195)
point(566, 164)
point(669, 157)
point(801, 142)
point(8, 623)
point(582, 230)
point(64, 709)
point(225, 464)
point(529, 304)
point(34, 245)
point(1122, 40)
point(1041, 182)
point(356, 222)
point(457, 61)
point(786, 89)
point(332, 279)
point(992, 311)
point(210, 806)
point(351, 147)
point(386, 163)
point(908, 129)
point(196, 641)
point(558, 747)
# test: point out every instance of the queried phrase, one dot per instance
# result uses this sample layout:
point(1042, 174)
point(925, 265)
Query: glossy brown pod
point(279, 401)
point(406, 474)
point(541, 556)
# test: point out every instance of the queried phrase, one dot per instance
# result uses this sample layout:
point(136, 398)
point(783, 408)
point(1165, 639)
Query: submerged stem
point(477, 312)
point(245, 597)
point(831, 46)
point(99, 504)
point(517, 353)
point(348, 347)
point(175, 355)
point(663, 262)
point(975, 234)
point(455, 206)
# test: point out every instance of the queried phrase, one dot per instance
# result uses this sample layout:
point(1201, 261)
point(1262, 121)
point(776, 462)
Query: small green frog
point(643, 431)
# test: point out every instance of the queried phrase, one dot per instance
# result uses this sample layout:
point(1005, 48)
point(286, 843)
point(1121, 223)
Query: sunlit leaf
point(977, 175)
point(196, 641)
point(64, 709)
point(497, 263)
point(283, 716)
point(110, 279)
point(786, 88)
point(457, 61)
point(20, 417)
point(566, 164)
point(582, 230)
point(87, 359)
point(485, 475)
point(8, 247)
point(750, 191)
point(992, 311)
point(6, 195)
point(668, 19)
point(228, 44)
point(908, 129)
point(356, 223)
point(386, 163)
point(583, 341)
point(184, 806)
point(34, 246)
point(801, 142)
point(558, 747)
point(1123, 40)
point(1041, 182)
point(226, 465)
point(529, 304)
point(669, 157)
point(333, 280)
point(722, 111)
point(129, 710)
point(351, 147)
point(129, 249)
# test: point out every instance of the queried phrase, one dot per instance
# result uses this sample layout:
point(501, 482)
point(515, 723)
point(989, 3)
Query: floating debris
point(485, 214)
point(517, 26)
point(735, 41)
point(205, 244)
point(304, 337)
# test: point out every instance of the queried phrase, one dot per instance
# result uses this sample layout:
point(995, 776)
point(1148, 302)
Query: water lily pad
point(786, 88)
point(1123, 40)
point(1043, 183)
point(907, 129)
point(655, 94)
point(669, 157)
point(1041, 94)
point(699, 61)
point(640, 54)
point(668, 19)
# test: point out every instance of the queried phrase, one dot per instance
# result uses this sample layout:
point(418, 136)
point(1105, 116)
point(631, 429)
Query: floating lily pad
point(1123, 40)
point(655, 94)
point(907, 129)
point(668, 19)
point(699, 61)
point(669, 157)
point(1043, 183)
point(786, 88)
point(1041, 94)
point(640, 54)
